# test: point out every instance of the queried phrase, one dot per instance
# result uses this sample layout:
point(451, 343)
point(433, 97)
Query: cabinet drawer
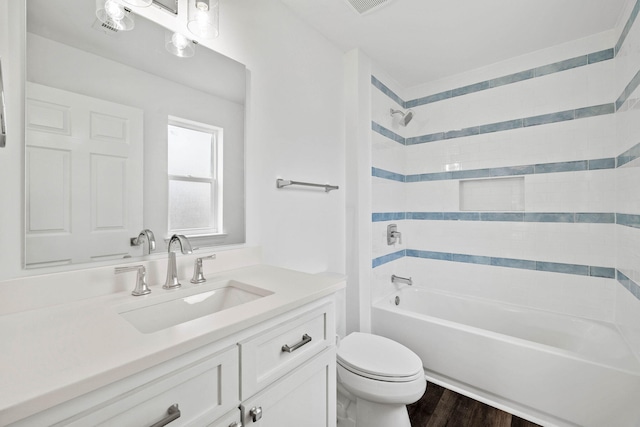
point(266, 357)
point(227, 420)
point(204, 391)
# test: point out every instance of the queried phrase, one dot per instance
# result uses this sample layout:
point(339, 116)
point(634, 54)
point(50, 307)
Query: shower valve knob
point(393, 235)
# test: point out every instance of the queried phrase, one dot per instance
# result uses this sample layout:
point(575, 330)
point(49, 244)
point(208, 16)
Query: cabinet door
point(305, 397)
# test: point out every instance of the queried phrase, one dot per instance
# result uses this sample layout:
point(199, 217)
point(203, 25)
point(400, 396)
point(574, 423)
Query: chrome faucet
point(172, 271)
point(145, 235)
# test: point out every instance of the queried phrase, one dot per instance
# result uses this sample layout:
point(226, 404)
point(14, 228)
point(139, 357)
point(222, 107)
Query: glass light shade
point(203, 18)
point(179, 45)
point(114, 15)
point(139, 3)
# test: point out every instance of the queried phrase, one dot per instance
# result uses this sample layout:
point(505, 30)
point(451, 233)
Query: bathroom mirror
point(99, 111)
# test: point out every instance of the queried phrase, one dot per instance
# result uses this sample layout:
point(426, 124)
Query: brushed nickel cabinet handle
point(256, 413)
point(173, 413)
point(305, 339)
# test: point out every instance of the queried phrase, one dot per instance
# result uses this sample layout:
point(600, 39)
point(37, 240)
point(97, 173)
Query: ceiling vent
point(104, 27)
point(365, 6)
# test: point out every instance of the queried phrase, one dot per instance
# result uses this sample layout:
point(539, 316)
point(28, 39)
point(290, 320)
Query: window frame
point(216, 179)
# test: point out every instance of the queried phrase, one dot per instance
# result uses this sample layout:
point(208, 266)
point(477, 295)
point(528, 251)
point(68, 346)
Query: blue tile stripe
point(388, 216)
point(573, 166)
point(560, 116)
point(628, 284)
point(551, 217)
point(628, 156)
point(627, 27)
point(376, 262)
point(387, 133)
point(628, 90)
point(384, 89)
point(552, 267)
point(556, 67)
point(628, 220)
point(384, 174)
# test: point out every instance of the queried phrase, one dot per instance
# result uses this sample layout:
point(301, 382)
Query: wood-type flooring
point(440, 407)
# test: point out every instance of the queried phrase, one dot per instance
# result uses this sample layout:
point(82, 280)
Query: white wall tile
point(627, 318)
point(387, 195)
point(387, 154)
point(585, 139)
point(527, 61)
point(582, 244)
point(586, 191)
point(434, 196)
point(381, 285)
point(588, 297)
point(379, 238)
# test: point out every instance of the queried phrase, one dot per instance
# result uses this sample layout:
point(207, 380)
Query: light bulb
point(202, 17)
point(202, 5)
point(114, 10)
point(179, 41)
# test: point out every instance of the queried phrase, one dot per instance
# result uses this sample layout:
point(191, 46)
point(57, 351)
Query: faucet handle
point(141, 279)
point(198, 276)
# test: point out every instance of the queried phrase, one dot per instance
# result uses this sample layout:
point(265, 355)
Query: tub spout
point(398, 279)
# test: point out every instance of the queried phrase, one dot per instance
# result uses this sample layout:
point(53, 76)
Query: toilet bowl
point(377, 378)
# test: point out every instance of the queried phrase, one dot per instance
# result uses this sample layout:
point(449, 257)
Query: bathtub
point(552, 369)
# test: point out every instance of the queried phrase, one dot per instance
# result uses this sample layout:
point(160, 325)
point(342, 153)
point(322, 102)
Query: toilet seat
point(378, 358)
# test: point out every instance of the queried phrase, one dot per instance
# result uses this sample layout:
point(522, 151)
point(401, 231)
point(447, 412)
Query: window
point(195, 178)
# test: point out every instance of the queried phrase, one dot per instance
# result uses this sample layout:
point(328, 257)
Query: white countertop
point(52, 354)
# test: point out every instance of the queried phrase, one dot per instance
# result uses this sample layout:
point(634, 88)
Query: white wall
point(295, 130)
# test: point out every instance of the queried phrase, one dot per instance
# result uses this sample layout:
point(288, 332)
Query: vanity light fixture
point(114, 15)
point(179, 45)
point(203, 18)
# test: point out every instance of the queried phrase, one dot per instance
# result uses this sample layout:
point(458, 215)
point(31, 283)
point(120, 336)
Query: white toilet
point(377, 378)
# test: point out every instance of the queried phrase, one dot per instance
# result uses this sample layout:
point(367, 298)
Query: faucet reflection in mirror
point(172, 281)
point(145, 235)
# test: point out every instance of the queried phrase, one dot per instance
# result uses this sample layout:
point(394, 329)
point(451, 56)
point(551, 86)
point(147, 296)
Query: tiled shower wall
point(563, 125)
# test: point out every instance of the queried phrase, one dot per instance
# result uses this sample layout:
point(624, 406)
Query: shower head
point(406, 117)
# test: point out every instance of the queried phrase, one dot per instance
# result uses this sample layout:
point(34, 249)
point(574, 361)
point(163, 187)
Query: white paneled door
point(84, 171)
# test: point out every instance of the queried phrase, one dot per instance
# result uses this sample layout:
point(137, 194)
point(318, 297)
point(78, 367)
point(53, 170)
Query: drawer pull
point(256, 413)
point(173, 413)
point(305, 339)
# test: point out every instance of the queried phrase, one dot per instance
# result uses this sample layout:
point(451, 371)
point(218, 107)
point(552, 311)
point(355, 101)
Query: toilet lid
point(378, 357)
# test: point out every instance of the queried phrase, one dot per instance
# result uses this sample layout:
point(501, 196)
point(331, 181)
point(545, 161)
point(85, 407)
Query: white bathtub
point(552, 369)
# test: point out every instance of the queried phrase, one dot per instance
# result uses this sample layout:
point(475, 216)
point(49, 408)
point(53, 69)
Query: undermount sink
point(191, 304)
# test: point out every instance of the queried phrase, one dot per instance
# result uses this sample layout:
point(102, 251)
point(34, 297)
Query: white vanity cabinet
point(280, 372)
point(202, 389)
point(288, 373)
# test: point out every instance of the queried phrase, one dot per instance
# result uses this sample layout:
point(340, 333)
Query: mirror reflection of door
point(84, 172)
